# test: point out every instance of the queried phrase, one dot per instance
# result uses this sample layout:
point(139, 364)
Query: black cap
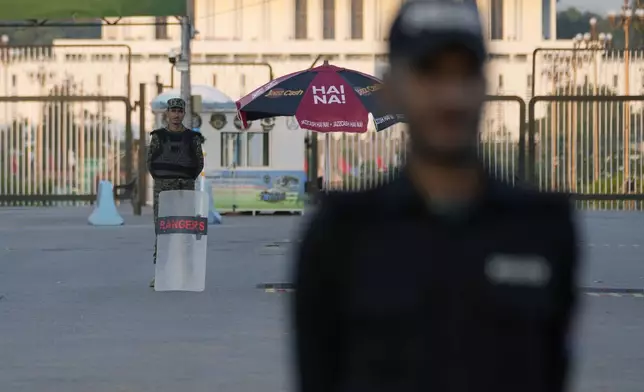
point(424, 27)
point(176, 103)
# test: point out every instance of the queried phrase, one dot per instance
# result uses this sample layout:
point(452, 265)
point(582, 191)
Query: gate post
point(142, 176)
point(532, 141)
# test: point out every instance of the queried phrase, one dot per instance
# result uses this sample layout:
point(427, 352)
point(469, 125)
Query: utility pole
point(187, 33)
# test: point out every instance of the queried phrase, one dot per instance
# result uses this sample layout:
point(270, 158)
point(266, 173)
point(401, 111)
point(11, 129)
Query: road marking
point(280, 288)
point(112, 228)
point(613, 295)
point(593, 245)
point(616, 295)
point(279, 291)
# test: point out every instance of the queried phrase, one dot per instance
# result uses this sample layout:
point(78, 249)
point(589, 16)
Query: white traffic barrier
point(214, 217)
point(203, 185)
point(105, 212)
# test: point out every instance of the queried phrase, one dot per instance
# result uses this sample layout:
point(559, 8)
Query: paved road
point(76, 314)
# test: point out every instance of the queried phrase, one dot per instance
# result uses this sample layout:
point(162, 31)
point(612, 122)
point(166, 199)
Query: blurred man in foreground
point(444, 280)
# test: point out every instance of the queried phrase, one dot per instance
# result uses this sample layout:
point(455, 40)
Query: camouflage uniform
point(170, 184)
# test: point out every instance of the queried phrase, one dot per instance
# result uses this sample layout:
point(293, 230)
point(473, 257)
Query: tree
point(572, 21)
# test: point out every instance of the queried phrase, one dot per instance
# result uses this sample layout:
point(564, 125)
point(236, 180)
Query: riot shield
point(182, 232)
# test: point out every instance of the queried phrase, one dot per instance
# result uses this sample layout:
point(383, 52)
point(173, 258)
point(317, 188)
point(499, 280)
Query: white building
point(286, 34)
point(289, 34)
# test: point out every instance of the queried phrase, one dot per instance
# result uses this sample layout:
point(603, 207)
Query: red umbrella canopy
point(323, 99)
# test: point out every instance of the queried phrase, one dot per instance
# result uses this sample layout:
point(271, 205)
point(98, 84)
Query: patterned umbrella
point(322, 99)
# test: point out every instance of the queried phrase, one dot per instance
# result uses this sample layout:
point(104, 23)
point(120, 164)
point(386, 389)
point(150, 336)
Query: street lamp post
point(5, 58)
point(556, 73)
point(568, 64)
point(43, 78)
point(628, 15)
point(574, 62)
point(594, 43)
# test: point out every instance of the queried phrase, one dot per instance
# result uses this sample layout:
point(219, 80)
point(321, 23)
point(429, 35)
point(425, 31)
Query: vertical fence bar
point(142, 176)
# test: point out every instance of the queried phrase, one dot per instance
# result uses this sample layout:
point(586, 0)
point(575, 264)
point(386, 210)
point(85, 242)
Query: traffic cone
point(105, 213)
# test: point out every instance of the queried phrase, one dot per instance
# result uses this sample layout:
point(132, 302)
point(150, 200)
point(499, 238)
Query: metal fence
point(590, 146)
point(353, 162)
point(57, 148)
point(59, 129)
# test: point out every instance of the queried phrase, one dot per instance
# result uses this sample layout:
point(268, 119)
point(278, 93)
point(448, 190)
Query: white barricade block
point(105, 212)
point(182, 241)
point(214, 217)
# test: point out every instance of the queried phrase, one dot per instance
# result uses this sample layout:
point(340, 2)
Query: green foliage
point(612, 184)
point(572, 21)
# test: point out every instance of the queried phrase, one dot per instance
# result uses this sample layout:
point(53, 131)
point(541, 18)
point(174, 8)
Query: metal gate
point(54, 149)
point(566, 71)
point(590, 146)
point(352, 162)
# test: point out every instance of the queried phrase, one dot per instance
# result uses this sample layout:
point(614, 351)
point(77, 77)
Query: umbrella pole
point(186, 37)
point(312, 163)
point(327, 162)
point(312, 154)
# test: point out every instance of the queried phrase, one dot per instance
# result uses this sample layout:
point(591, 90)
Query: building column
point(314, 19)
point(343, 20)
point(370, 17)
point(553, 20)
point(266, 21)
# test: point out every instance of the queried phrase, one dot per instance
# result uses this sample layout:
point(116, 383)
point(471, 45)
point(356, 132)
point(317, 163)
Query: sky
point(599, 6)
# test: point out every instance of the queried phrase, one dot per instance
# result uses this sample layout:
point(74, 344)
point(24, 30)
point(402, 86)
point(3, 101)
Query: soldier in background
point(175, 157)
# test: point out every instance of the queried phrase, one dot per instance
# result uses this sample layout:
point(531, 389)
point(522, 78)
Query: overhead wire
point(235, 9)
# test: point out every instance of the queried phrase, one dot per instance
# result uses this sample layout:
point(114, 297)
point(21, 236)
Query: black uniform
point(175, 160)
point(394, 294)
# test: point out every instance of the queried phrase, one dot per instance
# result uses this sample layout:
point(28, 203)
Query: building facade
point(239, 46)
point(242, 43)
point(290, 34)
